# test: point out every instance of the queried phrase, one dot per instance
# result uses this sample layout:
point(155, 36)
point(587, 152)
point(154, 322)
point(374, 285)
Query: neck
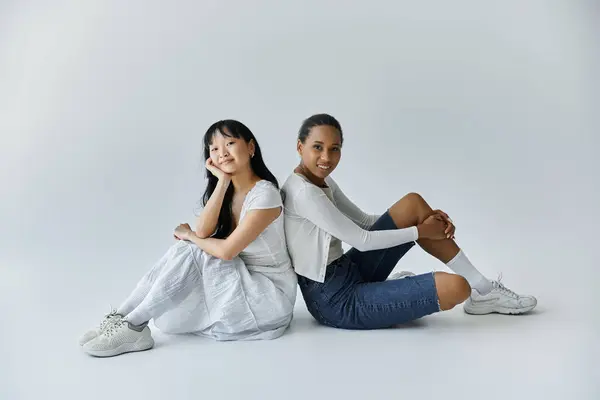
point(244, 180)
point(300, 169)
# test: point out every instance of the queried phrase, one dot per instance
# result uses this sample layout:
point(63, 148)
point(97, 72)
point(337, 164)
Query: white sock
point(462, 266)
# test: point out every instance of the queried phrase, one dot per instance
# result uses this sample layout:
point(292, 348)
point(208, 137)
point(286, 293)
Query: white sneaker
point(499, 300)
point(120, 337)
point(400, 275)
point(91, 334)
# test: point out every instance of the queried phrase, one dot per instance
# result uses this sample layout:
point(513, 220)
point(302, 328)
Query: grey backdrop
point(489, 110)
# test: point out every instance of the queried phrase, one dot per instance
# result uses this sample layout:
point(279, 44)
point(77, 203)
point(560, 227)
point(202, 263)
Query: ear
point(251, 147)
point(299, 147)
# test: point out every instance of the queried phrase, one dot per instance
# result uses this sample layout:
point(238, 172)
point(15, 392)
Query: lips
point(226, 162)
point(324, 167)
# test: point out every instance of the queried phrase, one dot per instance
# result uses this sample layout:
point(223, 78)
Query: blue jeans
point(356, 295)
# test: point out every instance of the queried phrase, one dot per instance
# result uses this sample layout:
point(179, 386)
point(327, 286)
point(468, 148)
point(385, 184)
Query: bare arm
point(253, 223)
point(206, 223)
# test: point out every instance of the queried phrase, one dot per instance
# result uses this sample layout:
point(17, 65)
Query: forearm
point(321, 212)
point(214, 247)
point(206, 222)
point(366, 240)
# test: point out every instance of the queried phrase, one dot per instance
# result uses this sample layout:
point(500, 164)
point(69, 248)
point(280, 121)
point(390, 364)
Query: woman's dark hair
point(231, 128)
point(319, 120)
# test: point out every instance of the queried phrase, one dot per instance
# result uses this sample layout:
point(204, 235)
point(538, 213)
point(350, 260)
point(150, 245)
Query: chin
point(322, 173)
point(230, 169)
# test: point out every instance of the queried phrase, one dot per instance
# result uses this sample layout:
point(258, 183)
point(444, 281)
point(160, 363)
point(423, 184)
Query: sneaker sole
point(142, 344)
point(497, 310)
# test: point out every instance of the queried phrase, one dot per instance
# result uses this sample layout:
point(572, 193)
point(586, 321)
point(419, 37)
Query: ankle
point(137, 327)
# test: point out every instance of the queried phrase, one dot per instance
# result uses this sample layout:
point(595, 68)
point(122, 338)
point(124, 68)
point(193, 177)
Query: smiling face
point(320, 152)
point(228, 153)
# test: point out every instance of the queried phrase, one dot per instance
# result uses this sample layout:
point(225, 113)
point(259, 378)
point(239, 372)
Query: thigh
point(326, 301)
point(377, 265)
point(385, 304)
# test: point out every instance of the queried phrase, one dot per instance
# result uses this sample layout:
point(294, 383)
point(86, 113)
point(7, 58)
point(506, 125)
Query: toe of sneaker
point(527, 301)
point(88, 336)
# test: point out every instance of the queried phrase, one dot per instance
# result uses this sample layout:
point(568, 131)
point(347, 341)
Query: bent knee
point(413, 197)
point(452, 289)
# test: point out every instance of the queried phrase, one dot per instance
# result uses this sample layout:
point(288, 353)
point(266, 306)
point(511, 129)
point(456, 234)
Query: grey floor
point(551, 353)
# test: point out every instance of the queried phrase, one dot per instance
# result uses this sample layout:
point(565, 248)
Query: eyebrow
point(319, 142)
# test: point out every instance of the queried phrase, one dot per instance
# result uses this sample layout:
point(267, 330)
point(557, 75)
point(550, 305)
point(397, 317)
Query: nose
point(325, 156)
point(223, 152)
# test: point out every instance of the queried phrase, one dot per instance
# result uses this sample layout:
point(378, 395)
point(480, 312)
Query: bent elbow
point(202, 234)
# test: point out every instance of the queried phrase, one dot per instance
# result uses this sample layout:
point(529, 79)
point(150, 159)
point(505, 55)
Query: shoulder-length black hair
point(231, 128)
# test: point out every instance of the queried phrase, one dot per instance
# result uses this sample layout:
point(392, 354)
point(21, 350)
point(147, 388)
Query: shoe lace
point(109, 318)
point(503, 289)
point(113, 326)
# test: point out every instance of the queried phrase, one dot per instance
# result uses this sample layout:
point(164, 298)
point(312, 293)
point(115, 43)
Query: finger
point(447, 218)
point(442, 218)
point(442, 213)
point(448, 229)
point(452, 232)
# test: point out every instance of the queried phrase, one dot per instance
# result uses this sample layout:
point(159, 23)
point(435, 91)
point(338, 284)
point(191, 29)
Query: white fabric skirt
point(229, 300)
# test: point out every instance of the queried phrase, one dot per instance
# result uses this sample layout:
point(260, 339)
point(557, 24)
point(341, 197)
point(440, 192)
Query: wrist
point(420, 231)
point(191, 236)
point(224, 180)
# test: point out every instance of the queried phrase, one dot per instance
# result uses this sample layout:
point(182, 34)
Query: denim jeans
point(356, 295)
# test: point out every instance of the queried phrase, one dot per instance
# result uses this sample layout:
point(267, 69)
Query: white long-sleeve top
point(311, 219)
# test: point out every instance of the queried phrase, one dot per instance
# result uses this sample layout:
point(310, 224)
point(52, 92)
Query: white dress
point(249, 297)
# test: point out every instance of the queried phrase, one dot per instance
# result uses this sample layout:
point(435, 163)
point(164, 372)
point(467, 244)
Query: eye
point(335, 149)
point(230, 143)
point(213, 149)
point(317, 146)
